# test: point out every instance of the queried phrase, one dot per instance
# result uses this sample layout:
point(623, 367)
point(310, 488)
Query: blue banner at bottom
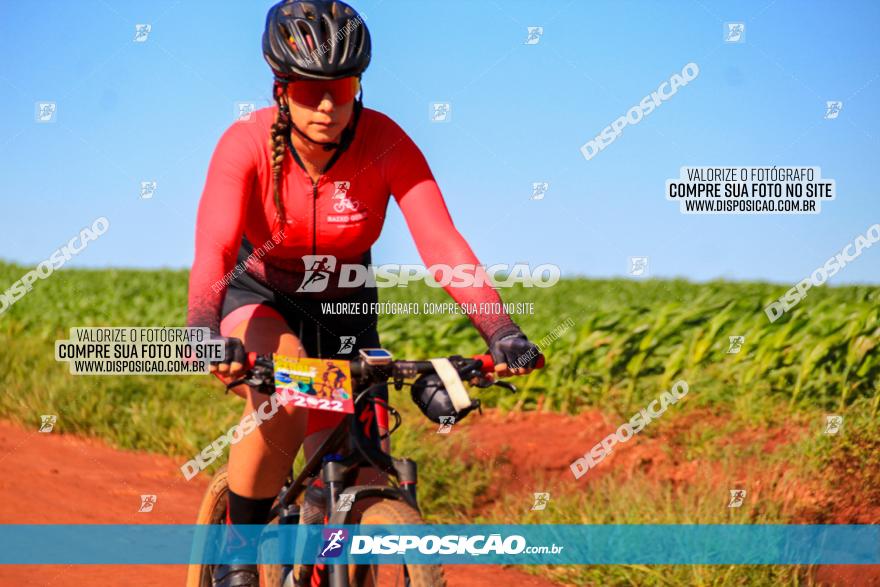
point(443, 544)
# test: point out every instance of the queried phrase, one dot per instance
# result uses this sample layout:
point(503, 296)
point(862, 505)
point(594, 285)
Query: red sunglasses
point(310, 93)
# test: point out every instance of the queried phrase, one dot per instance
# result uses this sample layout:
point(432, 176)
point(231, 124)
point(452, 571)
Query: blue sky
point(130, 111)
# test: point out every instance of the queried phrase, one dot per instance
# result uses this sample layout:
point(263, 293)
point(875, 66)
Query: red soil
point(64, 479)
point(533, 450)
point(61, 479)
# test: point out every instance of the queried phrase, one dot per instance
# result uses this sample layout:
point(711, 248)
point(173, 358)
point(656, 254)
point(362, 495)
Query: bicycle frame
point(334, 471)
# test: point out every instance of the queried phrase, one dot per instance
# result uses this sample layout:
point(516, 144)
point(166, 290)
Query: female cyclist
point(269, 219)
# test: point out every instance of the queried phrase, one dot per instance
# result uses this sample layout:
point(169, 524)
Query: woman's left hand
point(514, 354)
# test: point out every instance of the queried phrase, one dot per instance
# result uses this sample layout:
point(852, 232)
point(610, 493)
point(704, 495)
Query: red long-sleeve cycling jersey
point(341, 214)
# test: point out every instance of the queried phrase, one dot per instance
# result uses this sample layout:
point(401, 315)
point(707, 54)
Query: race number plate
point(316, 384)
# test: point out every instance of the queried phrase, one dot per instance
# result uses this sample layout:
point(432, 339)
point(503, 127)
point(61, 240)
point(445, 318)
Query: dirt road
point(50, 478)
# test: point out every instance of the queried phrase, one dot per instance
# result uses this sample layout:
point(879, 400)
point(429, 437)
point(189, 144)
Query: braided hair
point(278, 146)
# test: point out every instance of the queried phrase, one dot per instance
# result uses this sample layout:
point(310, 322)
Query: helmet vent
point(306, 32)
point(347, 40)
point(359, 38)
point(287, 35)
point(325, 27)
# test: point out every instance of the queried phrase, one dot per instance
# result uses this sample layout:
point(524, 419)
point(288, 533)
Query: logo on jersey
point(341, 201)
point(347, 210)
point(334, 541)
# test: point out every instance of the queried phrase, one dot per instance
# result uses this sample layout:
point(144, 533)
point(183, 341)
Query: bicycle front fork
point(333, 474)
point(334, 482)
point(407, 475)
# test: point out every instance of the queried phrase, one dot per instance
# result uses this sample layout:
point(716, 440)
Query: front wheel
point(213, 511)
point(394, 512)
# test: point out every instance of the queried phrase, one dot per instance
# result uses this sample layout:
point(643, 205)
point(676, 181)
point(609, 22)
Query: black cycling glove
point(233, 350)
point(509, 345)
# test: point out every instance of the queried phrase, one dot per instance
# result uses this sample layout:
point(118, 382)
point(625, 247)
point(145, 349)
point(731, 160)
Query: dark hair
point(278, 146)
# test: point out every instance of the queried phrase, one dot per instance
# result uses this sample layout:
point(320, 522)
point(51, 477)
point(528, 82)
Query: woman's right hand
point(234, 357)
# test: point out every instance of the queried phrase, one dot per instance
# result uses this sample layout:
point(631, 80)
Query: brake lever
point(253, 381)
point(505, 384)
point(260, 378)
point(483, 382)
point(235, 383)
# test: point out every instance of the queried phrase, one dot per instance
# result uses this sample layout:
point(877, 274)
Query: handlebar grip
point(489, 363)
point(486, 360)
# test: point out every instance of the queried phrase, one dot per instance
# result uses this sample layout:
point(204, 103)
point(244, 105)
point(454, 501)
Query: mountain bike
point(353, 445)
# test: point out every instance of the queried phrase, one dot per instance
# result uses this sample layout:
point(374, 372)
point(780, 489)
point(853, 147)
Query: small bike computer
point(375, 356)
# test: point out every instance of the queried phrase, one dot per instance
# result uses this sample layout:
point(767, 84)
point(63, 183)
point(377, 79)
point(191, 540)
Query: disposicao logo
point(334, 542)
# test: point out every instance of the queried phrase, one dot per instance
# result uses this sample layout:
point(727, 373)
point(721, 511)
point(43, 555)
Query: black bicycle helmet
point(315, 39)
point(432, 398)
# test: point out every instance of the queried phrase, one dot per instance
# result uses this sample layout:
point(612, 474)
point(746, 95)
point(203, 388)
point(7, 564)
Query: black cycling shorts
point(322, 335)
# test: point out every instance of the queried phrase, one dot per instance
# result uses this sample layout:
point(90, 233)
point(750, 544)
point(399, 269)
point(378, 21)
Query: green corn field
point(609, 343)
point(630, 339)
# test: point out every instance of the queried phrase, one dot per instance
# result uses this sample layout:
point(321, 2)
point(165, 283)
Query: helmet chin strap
point(347, 133)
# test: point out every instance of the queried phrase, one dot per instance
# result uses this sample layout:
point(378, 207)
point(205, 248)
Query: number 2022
point(304, 401)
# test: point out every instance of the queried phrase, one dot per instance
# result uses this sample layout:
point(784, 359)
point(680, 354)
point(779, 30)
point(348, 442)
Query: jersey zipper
point(315, 216)
point(330, 163)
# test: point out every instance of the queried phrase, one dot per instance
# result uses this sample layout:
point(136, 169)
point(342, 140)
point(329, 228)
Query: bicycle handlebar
point(486, 361)
point(261, 370)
